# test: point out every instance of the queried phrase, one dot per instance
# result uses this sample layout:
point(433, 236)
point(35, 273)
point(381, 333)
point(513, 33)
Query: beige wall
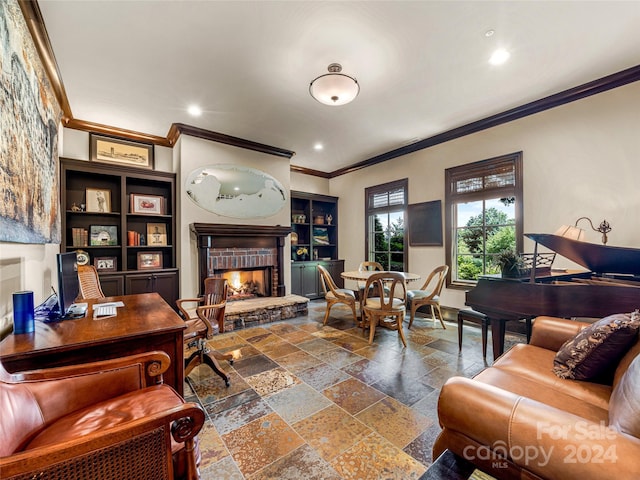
point(580, 159)
point(192, 153)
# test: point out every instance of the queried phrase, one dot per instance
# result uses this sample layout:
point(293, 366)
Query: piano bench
point(475, 317)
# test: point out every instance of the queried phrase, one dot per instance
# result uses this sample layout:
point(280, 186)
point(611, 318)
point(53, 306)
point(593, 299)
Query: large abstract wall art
point(29, 119)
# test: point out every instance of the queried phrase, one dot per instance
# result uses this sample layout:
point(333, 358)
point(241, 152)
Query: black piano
point(611, 284)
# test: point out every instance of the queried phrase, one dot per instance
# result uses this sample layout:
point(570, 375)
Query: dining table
point(364, 275)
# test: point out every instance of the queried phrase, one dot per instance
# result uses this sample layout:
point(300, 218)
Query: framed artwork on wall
point(118, 151)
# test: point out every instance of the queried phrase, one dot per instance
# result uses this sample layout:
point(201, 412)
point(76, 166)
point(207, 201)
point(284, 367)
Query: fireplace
point(246, 283)
point(225, 248)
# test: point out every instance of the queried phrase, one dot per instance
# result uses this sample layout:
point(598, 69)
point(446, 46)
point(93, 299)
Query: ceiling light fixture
point(334, 88)
point(318, 146)
point(194, 110)
point(499, 57)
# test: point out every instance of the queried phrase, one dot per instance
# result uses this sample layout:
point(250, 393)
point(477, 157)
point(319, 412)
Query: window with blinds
point(385, 225)
point(483, 215)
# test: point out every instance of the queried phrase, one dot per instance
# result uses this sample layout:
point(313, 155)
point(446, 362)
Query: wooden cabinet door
point(112, 285)
point(310, 281)
point(165, 283)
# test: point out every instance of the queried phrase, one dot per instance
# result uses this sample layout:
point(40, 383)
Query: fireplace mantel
point(228, 236)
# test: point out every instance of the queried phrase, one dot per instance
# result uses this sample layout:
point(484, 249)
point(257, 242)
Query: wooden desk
point(364, 276)
point(145, 323)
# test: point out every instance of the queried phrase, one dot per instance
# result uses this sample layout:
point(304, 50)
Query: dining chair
point(334, 295)
point(89, 283)
point(388, 307)
point(367, 267)
point(203, 322)
point(429, 294)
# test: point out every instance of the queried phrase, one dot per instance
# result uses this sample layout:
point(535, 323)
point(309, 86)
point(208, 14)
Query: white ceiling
point(421, 65)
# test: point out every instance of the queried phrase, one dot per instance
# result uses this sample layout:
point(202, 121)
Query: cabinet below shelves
point(165, 282)
point(305, 279)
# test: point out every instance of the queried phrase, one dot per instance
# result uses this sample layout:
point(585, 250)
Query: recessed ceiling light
point(489, 33)
point(318, 146)
point(499, 57)
point(194, 110)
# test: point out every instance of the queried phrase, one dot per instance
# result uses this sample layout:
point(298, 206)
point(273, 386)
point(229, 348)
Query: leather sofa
point(517, 419)
point(97, 420)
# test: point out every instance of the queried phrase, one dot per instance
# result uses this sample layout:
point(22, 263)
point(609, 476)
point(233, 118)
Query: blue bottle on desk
point(23, 321)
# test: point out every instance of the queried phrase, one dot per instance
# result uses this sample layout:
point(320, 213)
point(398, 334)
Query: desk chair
point(390, 303)
point(89, 283)
point(429, 294)
point(333, 294)
point(202, 323)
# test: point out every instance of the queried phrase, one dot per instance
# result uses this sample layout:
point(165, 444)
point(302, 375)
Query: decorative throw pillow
point(598, 348)
point(624, 405)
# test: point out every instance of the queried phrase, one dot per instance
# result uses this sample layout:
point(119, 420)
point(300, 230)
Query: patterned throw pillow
point(597, 349)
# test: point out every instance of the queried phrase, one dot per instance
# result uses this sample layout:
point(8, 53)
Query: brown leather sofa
point(517, 419)
point(98, 420)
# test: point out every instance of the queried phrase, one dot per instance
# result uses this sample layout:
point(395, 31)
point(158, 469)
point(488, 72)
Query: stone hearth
point(258, 311)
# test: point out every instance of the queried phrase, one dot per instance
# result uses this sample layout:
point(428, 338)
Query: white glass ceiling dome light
point(334, 88)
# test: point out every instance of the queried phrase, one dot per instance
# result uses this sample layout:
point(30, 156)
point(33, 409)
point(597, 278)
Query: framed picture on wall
point(120, 152)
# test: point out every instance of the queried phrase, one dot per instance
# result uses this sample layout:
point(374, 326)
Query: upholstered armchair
point(97, 420)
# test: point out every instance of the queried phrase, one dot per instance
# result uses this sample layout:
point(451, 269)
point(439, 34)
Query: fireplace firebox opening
point(246, 283)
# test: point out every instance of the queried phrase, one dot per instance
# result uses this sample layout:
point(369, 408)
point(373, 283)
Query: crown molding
point(116, 132)
point(178, 129)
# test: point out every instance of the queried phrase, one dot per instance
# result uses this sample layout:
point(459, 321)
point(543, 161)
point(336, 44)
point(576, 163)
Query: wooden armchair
point(387, 307)
point(202, 323)
point(429, 294)
point(97, 420)
point(333, 294)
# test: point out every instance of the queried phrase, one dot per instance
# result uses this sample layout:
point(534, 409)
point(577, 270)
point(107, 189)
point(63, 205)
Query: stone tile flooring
point(309, 401)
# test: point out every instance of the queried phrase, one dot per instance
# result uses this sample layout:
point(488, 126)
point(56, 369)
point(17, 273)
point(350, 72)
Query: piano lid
point(595, 257)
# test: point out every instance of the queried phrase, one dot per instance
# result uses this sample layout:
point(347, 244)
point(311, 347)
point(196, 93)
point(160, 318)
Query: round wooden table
point(364, 276)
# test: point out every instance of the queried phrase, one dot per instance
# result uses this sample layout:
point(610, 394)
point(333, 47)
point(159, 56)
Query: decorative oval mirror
point(235, 191)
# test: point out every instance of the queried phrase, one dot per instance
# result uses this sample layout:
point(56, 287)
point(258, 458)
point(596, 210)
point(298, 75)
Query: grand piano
point(611, 284)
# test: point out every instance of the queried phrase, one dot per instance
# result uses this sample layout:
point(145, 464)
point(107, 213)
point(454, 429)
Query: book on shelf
point(79, 237)
point(135, 239)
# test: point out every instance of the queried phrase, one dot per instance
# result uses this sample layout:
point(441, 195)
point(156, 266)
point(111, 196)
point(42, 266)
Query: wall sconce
point(576, 233)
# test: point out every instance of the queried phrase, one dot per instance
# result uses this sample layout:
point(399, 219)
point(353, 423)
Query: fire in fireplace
point(247, 283)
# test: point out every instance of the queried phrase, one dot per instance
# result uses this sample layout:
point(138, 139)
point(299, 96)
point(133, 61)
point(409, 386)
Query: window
point(386, 207)
point(483, 216)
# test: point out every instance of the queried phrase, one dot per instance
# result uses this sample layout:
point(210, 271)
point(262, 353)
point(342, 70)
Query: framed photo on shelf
point(106, 264)
point(156, 234)
point(149, 260)
point(98, 200)
point(103, 235)
point(118, 151)
point(147, 204)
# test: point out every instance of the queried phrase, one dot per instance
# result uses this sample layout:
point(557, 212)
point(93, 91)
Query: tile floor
point(308, 401)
